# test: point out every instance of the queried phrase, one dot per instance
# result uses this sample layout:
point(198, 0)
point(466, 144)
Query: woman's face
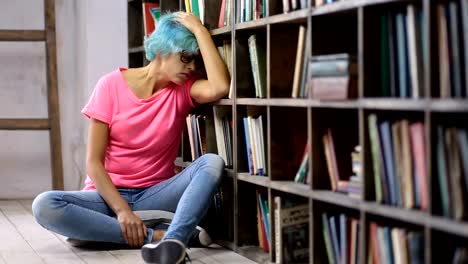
point(179, 66)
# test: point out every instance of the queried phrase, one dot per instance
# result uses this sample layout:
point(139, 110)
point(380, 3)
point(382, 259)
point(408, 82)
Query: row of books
point(255, 145)
point(292, 5)
point(196, 7)
point(225, 14)
point(402, 47)
point(394, 245)
point(341, 236)
point(398, 153)
point(291, 219)
point(223, 131)
point(452, 170)
point(452, 21)
point(263, 221)
point(199, 130)
point(251, 10)
point(196, 133)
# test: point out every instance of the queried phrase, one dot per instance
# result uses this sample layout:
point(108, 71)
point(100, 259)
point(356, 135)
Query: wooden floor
point(22, 240)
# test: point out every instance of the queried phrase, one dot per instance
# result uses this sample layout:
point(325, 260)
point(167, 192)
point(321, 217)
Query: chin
point(179, 80)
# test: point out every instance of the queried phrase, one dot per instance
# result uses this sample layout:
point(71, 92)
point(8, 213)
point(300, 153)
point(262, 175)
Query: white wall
point(91, 41)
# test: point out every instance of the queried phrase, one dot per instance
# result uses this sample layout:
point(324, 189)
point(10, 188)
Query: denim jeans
point(84, 215)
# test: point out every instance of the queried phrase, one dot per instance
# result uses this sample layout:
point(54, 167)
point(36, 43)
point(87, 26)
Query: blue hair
point(170, 36)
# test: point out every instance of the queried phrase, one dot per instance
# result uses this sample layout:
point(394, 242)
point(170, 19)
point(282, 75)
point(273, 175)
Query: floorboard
point(27, 242)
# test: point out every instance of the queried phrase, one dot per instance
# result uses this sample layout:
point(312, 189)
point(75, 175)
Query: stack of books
point(333, 77)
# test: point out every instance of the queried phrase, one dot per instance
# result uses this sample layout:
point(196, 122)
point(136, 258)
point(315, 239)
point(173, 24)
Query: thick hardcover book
point(444, 61)
point(333, 68)
point(463, 145)
point(257, 50)
point(418, 146)
point(442, 172)
point(464, 15)
point(455, 52)
point(415, 52)
point(376, 160)
point(387, 146)
point(455, 174)
point(384, 56)
point(294, 226)
point(403, 70)
point(333, 88)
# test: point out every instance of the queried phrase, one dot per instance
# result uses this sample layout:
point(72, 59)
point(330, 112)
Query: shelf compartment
point(334, 138)
point(449, 137)
point(250, 79)
point(399, 59)
point(252, 137)
point(447, 245)
point(382, 234)
point(335, 33)
point(329, 240)
point(282, 68)
point(291, 216)
point(219, 220)
point(250, 216)
point(288, 138)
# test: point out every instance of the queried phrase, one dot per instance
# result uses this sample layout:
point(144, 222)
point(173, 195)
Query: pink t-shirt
point(144, 134)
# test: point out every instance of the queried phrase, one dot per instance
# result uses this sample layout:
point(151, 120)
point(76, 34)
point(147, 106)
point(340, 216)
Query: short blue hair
point(170, 36)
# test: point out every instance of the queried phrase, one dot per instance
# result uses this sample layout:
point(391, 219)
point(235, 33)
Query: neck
point(152, 75)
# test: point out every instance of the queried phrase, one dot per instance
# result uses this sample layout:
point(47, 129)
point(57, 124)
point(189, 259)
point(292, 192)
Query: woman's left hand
point(190, 21)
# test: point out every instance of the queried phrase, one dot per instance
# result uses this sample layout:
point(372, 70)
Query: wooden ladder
point(52, 123)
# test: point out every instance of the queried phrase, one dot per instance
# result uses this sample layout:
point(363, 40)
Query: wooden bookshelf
point(345, 26)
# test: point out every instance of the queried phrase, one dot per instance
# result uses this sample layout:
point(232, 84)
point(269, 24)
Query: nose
point(191, 65)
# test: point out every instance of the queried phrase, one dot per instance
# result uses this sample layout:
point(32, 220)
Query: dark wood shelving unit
point(306, 118)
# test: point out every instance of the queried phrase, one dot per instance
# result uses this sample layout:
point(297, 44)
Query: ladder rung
point(24, 124)
point(22, 35)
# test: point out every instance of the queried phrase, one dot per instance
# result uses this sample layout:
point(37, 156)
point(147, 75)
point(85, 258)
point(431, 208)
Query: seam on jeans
point(173, 178)
point(79, 198)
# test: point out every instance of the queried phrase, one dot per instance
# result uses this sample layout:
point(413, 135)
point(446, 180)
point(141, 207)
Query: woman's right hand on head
point(133, 229)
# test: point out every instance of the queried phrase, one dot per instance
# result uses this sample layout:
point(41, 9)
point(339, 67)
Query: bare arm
point(132, 227)
point(217, 84)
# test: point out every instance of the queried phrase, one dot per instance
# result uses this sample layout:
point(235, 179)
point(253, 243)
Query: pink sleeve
point(186, 88)
point(99, 105)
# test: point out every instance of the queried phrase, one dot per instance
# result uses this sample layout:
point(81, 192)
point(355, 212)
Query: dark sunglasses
point(187, 57)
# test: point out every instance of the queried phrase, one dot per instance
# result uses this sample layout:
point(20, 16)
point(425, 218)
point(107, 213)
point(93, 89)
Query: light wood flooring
point(22, 240)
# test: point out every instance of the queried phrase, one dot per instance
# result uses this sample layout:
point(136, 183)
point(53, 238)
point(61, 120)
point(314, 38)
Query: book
point(257, 50)
point(149, 24)
point(299, 61)
point(291, 231)
point(333, 88)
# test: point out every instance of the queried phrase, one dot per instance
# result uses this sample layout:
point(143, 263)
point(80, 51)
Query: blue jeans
point(84, 215)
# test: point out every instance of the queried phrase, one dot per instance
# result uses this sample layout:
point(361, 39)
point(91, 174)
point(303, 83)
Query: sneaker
point(168, 251)
point(199, 238)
